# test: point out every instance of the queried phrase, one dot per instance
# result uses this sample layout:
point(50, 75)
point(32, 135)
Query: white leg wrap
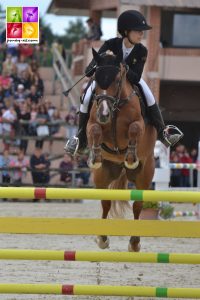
point(147, 92)
point(86, 101)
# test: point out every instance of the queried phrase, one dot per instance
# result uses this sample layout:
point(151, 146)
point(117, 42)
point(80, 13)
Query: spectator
point(33, 96)
point(19, 165)
point(4, 163)
point(38, 82)
point(66, 165)
point(42, 117)
point(22, 65)
point(20, 94)
point(82, 164)
point(9, 67)
point(24, 115)
point(175, 178)
point(8, 119)
point(38, 166)
point(194, 157)
point(94, 30)
point(72, 121)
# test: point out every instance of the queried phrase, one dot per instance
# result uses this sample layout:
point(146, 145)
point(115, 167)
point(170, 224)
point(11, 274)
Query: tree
point(73, 33)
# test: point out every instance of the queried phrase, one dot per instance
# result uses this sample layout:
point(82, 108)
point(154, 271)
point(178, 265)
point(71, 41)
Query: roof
point(169, 3)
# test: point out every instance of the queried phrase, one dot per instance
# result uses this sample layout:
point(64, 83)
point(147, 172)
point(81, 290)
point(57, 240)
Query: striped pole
point(97, 256)
point(184, 166)
point(115, 227)
point(138, 291)
point(100, 194)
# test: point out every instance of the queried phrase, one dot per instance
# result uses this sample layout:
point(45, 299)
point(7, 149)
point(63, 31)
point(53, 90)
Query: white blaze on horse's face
point(103, 112)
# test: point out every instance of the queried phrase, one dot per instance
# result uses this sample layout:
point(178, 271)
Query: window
point(180, 30)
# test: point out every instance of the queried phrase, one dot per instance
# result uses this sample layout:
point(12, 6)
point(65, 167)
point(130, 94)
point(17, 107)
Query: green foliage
point(75, 32)
point(166, 211)
point(151, 205)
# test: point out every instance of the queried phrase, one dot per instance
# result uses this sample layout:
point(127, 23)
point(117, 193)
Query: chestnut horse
point(121, 144)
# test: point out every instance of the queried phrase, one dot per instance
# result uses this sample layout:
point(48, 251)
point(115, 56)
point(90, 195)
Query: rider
point(131, 25)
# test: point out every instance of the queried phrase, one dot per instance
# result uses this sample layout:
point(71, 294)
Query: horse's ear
point(119, 57)
point(96, 56)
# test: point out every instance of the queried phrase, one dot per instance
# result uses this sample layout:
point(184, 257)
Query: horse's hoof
point(103, 244)
point(134, 248)
point(95, 166)
point(131, 166)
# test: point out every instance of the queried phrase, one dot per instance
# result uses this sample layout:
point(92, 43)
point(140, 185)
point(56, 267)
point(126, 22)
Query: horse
point(121, 144)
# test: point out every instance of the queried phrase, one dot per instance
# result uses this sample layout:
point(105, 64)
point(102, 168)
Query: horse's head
point(108, 78)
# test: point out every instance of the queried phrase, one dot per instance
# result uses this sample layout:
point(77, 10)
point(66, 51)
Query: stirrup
point(172, 139)
point(72, 146)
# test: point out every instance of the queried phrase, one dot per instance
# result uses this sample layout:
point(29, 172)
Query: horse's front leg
point(134, 132)
point(95, 141)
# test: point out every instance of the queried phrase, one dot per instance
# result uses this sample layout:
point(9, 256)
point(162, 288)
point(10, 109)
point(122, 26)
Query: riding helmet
point(131, 20)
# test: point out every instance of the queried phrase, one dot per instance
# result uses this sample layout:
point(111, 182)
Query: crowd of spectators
point(183, 177)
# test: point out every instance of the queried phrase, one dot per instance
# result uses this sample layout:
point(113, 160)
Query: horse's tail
point(119, 208)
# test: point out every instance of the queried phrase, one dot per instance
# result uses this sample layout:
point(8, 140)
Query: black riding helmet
point(131, 20)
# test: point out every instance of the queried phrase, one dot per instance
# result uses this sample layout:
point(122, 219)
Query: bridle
point(114, 103)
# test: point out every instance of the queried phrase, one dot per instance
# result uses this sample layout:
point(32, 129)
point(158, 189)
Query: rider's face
point(135, 36)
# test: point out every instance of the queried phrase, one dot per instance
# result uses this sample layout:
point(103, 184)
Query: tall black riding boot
point(78, 142)
point(164, 135)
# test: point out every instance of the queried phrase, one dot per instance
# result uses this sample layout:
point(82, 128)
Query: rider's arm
point(136, 65)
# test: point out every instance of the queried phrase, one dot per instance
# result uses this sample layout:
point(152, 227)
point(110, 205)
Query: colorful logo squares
point(22, 24)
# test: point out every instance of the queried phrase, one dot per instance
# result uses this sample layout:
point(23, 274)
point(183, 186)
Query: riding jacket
point(135, 60)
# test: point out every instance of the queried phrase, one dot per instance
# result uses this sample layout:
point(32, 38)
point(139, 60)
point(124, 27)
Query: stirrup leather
point(72, 145)
point(173, 138)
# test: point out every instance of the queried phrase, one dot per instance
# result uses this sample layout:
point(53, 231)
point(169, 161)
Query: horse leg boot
point(95, 137)
point(164, 135)
point(131, 159)
point(78, 142)
point(134, 242)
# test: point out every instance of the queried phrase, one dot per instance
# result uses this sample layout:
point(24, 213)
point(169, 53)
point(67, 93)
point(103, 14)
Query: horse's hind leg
point(102, 179)
point(142, 182)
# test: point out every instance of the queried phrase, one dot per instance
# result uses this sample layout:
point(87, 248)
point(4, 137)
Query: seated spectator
point(94, 30)
point(9, 67)
point(33, 96)
point(22, 65)
point(65, 166)
point(26, 50)
point(82, 164)
point(20, 94)
point(33, 123)
point(19, 165)
point(72, 121)
point(55, 119)
point(24, 78)
point(38, 82)
point(49, 107)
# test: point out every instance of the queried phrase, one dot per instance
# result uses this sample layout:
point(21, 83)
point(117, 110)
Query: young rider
point(131, 26)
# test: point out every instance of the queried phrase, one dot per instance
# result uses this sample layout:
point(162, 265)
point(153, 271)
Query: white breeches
point(86, 101)
point(147, 92)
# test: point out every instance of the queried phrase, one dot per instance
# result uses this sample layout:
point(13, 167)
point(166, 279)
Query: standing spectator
point(4, 163)
point(9, 67)
point(38, 166)
point(8, 119)
point(194, 157)
point(42, 118)
point(94, 30)
point(20, 165)
point(24, 115)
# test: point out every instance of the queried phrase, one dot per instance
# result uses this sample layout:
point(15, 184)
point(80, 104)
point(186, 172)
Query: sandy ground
point(60, 272)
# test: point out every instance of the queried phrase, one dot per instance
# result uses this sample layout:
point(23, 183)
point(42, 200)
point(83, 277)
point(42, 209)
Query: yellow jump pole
point(97, 256)
point(138, 291)
point(114, 227)
point(99, 194)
